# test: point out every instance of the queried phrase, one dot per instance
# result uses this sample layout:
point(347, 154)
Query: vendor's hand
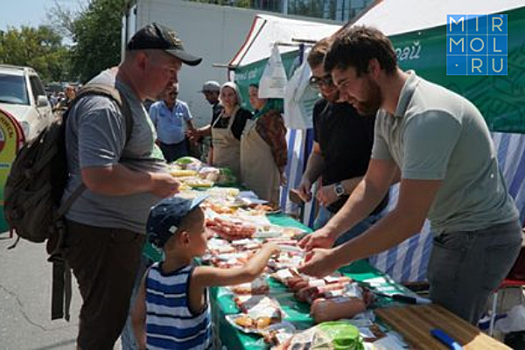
point(319, 239)
point(326, 195)
point(164, 185)
point(193, 135)
point(273, 247)
point(319, 263)
point(305, 190)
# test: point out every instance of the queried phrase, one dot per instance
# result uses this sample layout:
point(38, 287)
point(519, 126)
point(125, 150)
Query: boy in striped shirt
point(172, 310)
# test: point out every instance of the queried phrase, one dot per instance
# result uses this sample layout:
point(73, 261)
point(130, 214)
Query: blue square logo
point(497, 24)
point(497, 65)
point(456, 24)
point(477, 24)
point(477, 44)
point(457, 65)
point(497, 45)
point(457, 44)
point(477, 65)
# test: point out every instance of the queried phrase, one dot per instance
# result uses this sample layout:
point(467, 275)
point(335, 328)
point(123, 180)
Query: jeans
point(325, 215)
point(174, 151)
point(466, 267)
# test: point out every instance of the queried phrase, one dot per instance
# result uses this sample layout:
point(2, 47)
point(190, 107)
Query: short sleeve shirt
point(436, 134)
point(170, 123)
point(345, 139)
point(96, 137)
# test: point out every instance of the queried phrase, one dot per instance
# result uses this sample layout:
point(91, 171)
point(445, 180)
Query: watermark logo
point(477, 44)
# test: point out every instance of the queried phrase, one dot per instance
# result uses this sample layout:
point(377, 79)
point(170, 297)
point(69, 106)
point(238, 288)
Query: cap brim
point(198, 200)
point(185, 57)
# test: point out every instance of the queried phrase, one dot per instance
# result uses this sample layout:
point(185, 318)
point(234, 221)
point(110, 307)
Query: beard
point(371, 105)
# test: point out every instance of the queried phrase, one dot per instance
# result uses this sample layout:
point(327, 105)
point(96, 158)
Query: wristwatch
point(339, 189)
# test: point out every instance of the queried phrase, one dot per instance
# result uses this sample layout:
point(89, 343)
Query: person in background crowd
point(67, 97)
point(169, 116)
point(439, 146)
point(52, 99)
point(341, 149)
point(123, 177)
point(172, 310)
point(264, 152)
point(226, 129)
point(147, 104)
point(211, 91)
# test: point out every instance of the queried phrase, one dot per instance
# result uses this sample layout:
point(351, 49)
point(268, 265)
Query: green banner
point(499, 98)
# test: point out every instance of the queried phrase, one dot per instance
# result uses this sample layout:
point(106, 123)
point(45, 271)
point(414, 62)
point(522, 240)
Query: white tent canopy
point(267, 30)
point(394, 17)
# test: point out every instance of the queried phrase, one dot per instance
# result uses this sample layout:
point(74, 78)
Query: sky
point(15, 13)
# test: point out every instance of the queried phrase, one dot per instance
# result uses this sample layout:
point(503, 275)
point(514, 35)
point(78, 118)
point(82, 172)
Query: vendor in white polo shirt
point(169, 116)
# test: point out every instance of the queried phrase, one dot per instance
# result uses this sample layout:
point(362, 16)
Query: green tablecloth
point(298, 313)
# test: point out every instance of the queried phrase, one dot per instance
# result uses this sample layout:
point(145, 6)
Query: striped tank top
point(170, 324)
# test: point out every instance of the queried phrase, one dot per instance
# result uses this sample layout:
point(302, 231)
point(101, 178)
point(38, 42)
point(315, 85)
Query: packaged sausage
point(333, 309)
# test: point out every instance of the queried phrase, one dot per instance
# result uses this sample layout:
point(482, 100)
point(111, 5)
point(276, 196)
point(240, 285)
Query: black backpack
point(37, 180)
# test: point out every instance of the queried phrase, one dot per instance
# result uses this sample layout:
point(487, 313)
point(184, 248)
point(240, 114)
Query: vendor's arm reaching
point(327, 195)
point(314, 168)
point(415, 199)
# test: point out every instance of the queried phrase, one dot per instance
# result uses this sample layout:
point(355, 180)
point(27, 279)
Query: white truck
point(22, 95)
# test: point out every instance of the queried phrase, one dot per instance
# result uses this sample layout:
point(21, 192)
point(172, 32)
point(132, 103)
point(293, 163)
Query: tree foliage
point(97, 37)
point(40, 48)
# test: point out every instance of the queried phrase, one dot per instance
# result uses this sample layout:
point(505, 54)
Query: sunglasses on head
point(317, 82)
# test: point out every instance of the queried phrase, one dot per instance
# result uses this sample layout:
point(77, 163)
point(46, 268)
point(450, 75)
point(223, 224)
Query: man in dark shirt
point(210, 90)
point(342, 146)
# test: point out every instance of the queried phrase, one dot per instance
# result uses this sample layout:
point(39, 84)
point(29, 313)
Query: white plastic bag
point(514, 322)
point(300, 99)
point(273, 80)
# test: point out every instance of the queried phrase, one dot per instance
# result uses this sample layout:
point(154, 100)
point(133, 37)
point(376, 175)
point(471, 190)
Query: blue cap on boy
point(166, 216)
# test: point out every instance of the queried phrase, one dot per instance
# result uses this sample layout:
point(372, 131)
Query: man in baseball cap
point(158, 37)
point(211, 90)
point(96, 139)
point(211, 86)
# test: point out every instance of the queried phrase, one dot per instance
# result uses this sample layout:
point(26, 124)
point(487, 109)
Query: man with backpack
point(124, 175)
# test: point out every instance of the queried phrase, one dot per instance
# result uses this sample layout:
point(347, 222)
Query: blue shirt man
point(169, 116)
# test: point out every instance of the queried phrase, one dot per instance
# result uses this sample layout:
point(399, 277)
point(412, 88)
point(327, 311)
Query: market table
point(298, 312)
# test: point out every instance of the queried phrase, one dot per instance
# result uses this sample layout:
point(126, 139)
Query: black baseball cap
point(167, 215)
point(158, 37)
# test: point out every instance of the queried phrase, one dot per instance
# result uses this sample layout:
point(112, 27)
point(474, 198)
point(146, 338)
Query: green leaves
point(40, 48)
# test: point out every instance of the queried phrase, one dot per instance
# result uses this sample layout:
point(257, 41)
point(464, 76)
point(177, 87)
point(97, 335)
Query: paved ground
point(25, 301)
